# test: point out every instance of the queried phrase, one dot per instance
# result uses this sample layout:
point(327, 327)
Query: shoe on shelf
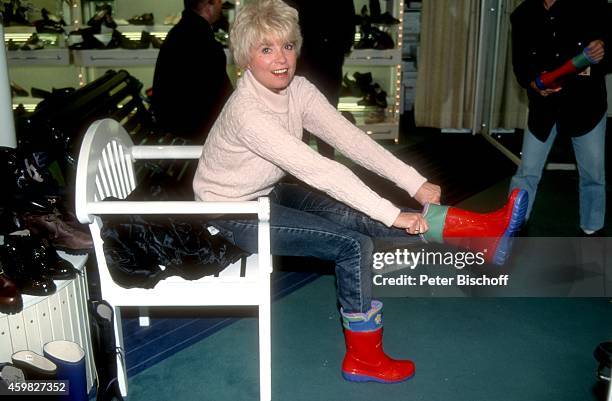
point(27, 274)
point(143, 43)
point(144, 19)
point(45, 257)
point(12, 46)
point(34, 366)
point(10, 297)
point(382, 40)
point(62, 235)
point(34, 43)
point(103, 16)
point(49, 23)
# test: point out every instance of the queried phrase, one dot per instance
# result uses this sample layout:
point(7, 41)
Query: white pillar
point(7, 124)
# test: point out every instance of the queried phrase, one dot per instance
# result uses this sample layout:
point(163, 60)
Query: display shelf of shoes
point(121, 57)
point(386, 64)
point(22, 43)
point(60, 316)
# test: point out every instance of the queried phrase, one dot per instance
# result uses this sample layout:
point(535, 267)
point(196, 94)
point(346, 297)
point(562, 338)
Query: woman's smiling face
point(272, 63)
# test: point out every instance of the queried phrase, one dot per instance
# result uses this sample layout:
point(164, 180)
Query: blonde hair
point(259, 20)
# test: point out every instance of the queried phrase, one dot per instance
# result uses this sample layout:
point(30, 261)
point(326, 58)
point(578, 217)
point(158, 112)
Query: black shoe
point(25, 273)
point(363, 81)
point(22, 178)
point(144, 19)
point(382, 40)
point(143, 43)
point(354, 86)
point(44, 255)
point(103, 16)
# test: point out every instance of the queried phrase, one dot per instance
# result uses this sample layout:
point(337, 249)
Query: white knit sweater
point(257, 139)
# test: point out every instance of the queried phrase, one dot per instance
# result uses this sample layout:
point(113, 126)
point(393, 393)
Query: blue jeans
point(304, 222)
point(589, 150)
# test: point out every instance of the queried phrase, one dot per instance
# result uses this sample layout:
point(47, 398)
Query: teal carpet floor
point(465, 349)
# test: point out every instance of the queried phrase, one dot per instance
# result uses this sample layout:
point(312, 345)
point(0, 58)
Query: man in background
point(190, 85)
point(545, 34)
point(328, 29)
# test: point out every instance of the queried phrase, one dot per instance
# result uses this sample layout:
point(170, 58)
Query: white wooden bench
point(106, 168)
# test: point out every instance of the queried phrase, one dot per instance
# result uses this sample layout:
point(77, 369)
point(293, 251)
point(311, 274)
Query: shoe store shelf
point(388, 57)
point(60, 316)
point(40, 57)
point(118, 57)
point(383, 130)
point(114, 57)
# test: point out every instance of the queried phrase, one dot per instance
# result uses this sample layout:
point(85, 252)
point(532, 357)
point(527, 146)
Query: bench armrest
point(143, 152)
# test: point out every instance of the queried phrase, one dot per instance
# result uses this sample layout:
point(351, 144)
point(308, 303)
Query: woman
point(257, 140)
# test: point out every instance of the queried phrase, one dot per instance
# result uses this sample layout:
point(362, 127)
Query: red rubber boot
point(365, 359)
point(490, 233)
point(552, 78)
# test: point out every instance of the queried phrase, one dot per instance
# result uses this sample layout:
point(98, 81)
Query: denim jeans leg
point(298, 233)
point(590, 157)
point(533, 158)
point(317, 203)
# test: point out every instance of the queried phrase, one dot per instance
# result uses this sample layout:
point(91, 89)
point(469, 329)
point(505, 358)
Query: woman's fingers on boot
point(413, 223)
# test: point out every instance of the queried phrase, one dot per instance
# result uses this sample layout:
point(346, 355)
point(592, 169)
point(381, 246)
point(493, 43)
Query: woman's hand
point(413, 223)
point(428, 193)
point(596, 50)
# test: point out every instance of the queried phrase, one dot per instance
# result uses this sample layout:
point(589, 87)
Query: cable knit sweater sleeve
point(271, 141)
point(323, 120)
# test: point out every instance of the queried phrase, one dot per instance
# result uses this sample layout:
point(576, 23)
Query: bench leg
point(265, 350)
point(121, 368)
point(143, 318)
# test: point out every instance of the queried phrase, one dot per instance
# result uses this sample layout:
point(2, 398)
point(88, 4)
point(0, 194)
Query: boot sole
point(365, 379)
point(519, 210)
